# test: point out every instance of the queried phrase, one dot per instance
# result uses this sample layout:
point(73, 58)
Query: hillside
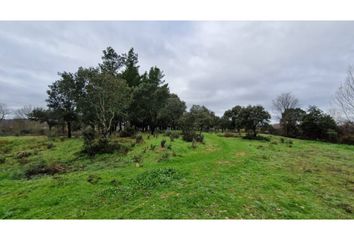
point(225, 178)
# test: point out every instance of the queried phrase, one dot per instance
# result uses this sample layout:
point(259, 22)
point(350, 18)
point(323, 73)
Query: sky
point(216, 64)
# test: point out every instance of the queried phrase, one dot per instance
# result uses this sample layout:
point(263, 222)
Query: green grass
point(225, 178)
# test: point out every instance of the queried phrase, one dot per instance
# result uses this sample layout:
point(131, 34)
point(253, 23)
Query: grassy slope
point(225, 178)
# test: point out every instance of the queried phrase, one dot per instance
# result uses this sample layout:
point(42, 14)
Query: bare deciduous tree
point(4, 111)
point(23, 112)
point(345, 95)
point(284, 102)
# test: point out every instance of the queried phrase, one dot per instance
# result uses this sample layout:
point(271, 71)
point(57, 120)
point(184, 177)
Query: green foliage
point(291, 120)
point(316, 124)
point(252, 118)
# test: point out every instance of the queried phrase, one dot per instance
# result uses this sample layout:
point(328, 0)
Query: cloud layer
point(218, 64)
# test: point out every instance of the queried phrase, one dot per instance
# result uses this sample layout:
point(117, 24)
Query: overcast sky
point(218, 64)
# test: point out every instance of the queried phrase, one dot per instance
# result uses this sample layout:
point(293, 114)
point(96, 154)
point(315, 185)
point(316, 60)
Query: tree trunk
point(152, 128)
point(69, 129)
point(254, 133)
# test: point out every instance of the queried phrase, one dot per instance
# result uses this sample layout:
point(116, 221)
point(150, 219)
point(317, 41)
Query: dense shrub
point(127, 132)
point(332, 135)
point(103, 145)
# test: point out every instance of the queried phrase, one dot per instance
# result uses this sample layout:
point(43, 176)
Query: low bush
point(152, 147)
point(230, 134)
point(2, 159)
point(139, 139)
point(188, 136)
point(42, 168)
point(258, 137)
point(163, 142)
point(103, 145)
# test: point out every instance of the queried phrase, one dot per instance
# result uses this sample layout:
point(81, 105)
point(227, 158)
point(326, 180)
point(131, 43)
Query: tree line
point(115, 96)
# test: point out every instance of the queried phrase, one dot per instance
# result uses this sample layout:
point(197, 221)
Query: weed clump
point(50, 145)
point(2, 159)
point(138, 160)
point(22, 155)
point(157, 177)
point(163, 142)
point(152, 147)
point(164, 157)
point(93, 179)
point(139, 139)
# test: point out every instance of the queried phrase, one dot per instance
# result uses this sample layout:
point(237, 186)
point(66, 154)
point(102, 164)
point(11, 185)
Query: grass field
point(225, 178)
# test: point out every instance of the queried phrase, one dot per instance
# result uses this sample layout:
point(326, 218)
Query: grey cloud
point(219, 64)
